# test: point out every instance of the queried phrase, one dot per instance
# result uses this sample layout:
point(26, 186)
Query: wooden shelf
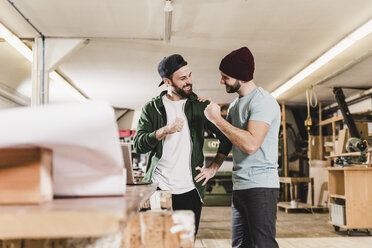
point(363, 116)
point(337, 196)
point(340, 118)
point(348, 154)
point(354, 167)
point(286, 206)
point(352, 184)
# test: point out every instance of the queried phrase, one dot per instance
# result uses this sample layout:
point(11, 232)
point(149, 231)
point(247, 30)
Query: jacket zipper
point(162, 142)
point(192, 145)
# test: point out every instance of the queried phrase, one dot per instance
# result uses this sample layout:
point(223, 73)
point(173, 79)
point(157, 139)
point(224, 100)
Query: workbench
point(73, 217)
point(350, 197)
point(293, 182)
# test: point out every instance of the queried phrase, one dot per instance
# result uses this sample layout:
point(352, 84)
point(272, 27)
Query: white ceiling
point(119, 64)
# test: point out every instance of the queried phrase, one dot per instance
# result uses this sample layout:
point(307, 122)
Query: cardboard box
point(25, 175)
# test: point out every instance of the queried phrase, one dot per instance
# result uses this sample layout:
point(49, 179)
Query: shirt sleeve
point(263, 109)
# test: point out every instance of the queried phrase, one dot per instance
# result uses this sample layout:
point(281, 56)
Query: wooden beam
point(340, 118)
point(285, 149)
point(320, 132)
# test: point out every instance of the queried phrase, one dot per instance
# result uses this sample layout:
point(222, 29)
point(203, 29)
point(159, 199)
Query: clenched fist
point(212, 112)
point(175, 125)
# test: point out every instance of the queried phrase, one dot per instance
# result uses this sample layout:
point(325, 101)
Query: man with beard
point(171, 130)
point(252, 125)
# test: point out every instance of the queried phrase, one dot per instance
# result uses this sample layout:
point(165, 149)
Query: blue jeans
point(254, 218)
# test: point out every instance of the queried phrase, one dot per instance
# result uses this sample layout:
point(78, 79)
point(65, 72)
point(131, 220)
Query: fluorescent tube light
point(15, 42)
point(358, 34)
point(168, 8)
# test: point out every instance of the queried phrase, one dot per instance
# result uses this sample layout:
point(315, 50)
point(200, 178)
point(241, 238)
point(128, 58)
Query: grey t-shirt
point(258, 170)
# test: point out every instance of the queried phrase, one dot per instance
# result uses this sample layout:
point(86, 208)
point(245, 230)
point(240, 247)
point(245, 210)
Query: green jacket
point(153, 117)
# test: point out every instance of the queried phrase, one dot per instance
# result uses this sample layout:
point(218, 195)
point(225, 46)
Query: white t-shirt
point(173, 171)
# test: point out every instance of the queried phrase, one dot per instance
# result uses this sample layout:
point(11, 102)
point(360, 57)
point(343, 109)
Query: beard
point(182, 91)
point(233, 88)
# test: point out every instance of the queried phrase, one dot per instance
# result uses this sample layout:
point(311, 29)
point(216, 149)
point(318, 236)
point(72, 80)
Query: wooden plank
point(331, 120)
point(340, 118)
point(285, 149)
point(350, 154)
point(321, 146)
point(73, 217)
point(358, 185)
point(338, 196)
point(153, 229)
point(341, 141)
point(286, 206)
point(25, 175)
point(354, 167)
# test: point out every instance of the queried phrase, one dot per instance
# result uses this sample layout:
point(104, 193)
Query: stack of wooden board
point(25, 175)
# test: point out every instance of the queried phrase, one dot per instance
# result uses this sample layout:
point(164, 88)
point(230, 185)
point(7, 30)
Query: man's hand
point(175, 125)
point(205, 173)
point(204, 99)
point(212, 112)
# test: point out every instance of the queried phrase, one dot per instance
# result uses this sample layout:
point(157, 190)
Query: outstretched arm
point(248, 140)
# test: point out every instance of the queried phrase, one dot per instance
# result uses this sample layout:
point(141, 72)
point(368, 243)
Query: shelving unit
point(364, 116)
point(350, 197)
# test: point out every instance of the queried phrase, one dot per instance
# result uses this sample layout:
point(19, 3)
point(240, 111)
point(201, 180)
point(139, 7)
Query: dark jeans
point(254, 217)
point(189, 201)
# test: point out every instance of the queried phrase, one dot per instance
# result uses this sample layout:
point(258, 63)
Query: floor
point(294, 230)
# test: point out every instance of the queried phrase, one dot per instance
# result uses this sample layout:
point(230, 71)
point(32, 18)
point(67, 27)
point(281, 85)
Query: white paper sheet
point(87, 158)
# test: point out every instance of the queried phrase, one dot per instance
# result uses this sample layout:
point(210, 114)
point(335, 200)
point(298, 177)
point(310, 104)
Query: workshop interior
point(75, 75)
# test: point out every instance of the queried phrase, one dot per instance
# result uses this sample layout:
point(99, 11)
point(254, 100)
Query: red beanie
point(238, 64)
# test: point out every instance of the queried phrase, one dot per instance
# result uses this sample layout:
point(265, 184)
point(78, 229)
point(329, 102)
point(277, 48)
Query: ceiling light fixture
point(358, 34)
point(168, 9)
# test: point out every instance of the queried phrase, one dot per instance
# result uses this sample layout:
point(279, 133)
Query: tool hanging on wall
point(310, 94)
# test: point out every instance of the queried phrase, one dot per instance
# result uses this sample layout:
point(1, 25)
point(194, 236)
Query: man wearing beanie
point(252, 125)
point(171, 130)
